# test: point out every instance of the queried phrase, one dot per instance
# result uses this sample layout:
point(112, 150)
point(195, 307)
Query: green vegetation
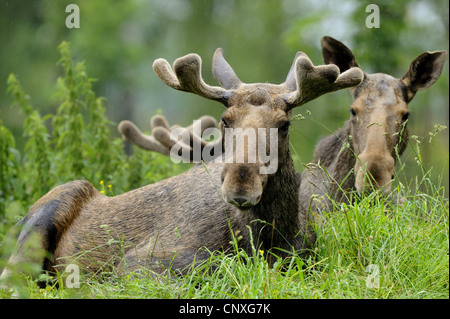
point(368, 249)
point(406, 246)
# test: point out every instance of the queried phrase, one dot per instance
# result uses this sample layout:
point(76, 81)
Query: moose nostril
point(240, 200)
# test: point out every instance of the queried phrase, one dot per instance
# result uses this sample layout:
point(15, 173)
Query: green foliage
point(368, 249)
point(9, 169)
point(74, 143)
point(68, 123)
point(406, 243)
point(36, 161)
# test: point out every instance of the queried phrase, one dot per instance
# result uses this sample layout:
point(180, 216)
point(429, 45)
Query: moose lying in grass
point(178, 220)
point(375, 135)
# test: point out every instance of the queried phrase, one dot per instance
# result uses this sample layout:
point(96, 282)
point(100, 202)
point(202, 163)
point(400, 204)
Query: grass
point(368, 249)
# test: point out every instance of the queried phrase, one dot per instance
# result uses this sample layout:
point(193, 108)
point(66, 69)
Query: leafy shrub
point(75, 143)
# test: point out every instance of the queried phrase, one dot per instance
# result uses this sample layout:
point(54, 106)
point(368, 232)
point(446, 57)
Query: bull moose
point(169, 223)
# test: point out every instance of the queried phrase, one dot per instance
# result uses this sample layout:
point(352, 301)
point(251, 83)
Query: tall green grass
point(370, 248)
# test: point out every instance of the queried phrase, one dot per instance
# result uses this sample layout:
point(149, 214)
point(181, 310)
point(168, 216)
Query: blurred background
point(119, 40)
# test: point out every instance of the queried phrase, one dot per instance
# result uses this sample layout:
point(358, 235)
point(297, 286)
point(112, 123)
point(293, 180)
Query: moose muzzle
point(373, 172)
point(243, 184)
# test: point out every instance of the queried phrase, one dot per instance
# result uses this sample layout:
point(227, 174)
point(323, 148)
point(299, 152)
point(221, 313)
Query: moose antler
point(304, 82)
point(186, 76)
point(313, 81)
point(160, 141)
point(132, 134)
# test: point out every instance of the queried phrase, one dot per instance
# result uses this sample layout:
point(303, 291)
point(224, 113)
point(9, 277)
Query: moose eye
point(405, 117)
point(352, 112)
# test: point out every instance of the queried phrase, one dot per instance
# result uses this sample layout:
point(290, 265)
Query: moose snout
point(244, 202)
point(242, 185)
point(373, 172)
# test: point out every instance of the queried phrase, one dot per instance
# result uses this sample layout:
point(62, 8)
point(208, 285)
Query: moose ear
point(335, 52)
point(424, 71)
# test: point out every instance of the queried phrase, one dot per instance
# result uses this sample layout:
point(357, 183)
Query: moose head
point(379, 112)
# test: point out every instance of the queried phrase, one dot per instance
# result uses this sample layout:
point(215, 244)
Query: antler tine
point(186, 76)
point(160, 141)
point(162, 135)
point(223, 72)
point(132, 134)
point(159, 120)
point(290, 82)
point(185, 145)
point(313, 81)
point(206, 122)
